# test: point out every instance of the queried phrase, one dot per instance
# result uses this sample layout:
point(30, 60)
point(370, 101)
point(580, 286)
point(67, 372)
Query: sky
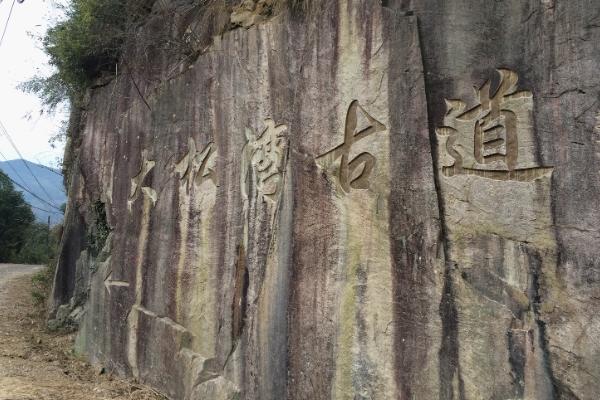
point(21, 58)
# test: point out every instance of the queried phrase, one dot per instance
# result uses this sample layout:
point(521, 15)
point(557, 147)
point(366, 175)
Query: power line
point(7, 21)
point(22, 186)
point(46, 167)
point(3, 130)
point(33, 194)
point(14, 170)
point(39, 164)
point(48, 211)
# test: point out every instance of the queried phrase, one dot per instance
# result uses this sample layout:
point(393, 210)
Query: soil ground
point(36, 364)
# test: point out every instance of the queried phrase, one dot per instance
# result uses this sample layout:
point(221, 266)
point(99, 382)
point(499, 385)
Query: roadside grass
point(55, 348)
point(42, 285)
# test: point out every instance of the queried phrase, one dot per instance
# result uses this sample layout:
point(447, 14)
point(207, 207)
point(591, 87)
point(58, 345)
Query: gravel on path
point(39, 365)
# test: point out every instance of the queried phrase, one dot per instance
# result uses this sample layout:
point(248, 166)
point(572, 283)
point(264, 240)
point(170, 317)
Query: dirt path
point(38, 365)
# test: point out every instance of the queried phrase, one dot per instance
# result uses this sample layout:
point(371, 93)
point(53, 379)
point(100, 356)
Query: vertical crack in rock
point(240, 296)
point(535, 264)
point(414, 224)
point(517, 347)
point(449, 368)
point(74, 241)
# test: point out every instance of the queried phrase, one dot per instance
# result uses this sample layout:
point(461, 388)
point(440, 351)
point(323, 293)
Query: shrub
point(98, 230)
point(40, 245)
point(42, 283)
point(87, 43)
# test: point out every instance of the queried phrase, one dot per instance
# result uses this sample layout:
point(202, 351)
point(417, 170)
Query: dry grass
point(37, 364)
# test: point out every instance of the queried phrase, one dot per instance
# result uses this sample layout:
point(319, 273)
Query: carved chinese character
point(197, 167)
point(494, 139)
point(355, 173)
point(137, 181)
point(267, 155)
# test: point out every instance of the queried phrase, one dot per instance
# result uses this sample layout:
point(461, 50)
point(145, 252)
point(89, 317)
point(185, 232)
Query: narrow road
point(11, 271)
point(40, 365)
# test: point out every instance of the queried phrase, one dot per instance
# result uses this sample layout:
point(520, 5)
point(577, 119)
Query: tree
point(83, 46)
point(39, 246)
point(16, 218)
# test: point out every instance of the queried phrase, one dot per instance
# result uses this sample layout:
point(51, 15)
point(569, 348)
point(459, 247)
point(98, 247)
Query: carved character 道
point(494, 139)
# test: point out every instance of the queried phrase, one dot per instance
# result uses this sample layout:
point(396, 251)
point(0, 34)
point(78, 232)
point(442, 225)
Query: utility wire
point(48, 168)
point(26, 188)
point(39, 164)
point(14, 170)
point(3, 130)
point(48, 211)
point(7, 21)
point(33, 194)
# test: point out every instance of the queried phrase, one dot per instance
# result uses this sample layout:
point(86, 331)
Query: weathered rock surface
point(302, 214)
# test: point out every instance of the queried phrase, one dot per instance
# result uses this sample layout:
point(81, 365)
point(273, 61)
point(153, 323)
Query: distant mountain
point(51, 180)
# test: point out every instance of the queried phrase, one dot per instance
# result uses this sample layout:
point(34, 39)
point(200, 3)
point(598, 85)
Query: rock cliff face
point(321, 206)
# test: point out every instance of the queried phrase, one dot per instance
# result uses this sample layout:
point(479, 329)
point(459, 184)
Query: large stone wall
point(322, 207)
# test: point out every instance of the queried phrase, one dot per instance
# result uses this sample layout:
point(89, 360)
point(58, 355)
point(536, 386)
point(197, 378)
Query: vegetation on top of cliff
point(87, 43)
point(91, 39)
